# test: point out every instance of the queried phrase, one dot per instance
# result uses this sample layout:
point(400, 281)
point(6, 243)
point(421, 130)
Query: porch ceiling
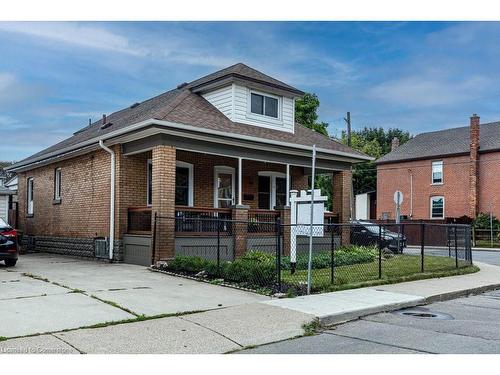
point(149, 138)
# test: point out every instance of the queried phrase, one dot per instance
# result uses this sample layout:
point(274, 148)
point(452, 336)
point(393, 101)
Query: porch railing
point(200, 220)
point(330, 218)
point(139, 220)
point(262, 221)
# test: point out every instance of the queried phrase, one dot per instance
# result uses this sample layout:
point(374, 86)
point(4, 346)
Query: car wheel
point(10, 262)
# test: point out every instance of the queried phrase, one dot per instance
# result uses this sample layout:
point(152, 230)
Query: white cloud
point(74, 33)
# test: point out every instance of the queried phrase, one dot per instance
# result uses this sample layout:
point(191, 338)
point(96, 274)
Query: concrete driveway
point(48, 293)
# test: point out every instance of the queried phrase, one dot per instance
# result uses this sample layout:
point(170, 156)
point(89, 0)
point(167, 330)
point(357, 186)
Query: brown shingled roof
point(185, 107)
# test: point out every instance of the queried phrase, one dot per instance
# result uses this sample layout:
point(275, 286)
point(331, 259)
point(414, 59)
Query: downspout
point(111, 201)
point(411, 193)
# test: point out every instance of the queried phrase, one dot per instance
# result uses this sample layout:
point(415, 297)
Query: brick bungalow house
point(444, 174)
point(225, 145)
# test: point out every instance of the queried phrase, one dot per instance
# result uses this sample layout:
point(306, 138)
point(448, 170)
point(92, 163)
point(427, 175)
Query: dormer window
point(264, 105)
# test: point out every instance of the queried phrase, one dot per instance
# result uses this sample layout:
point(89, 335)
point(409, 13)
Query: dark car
point(365, 233)
point(8, 244)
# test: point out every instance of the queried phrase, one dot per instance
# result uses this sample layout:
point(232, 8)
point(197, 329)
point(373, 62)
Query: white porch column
point(288, 184)
point(240, 179)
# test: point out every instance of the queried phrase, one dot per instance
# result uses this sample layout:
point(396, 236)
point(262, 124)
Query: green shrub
point(343, 256)
point(254, 268)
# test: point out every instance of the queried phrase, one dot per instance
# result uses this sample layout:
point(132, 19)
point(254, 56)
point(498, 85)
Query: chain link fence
point(276, 257)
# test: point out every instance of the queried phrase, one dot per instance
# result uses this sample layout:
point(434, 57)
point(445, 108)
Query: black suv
point(8, 244)
point(364, 233)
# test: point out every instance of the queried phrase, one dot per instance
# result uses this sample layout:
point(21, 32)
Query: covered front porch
point(201, 192)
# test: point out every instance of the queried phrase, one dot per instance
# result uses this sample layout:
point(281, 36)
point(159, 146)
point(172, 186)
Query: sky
point(418, 76)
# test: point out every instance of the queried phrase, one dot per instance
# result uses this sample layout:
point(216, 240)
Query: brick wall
point(84, 208)
point(455, 189)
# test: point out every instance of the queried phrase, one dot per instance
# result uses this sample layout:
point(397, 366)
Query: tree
point(482, 221)
point(374, 142)
point(306, 113)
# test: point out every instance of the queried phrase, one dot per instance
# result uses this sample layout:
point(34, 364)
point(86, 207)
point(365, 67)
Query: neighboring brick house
point(444, 174)
point(225, 145)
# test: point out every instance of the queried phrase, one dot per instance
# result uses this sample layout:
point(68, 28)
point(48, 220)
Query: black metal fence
point(276, 256)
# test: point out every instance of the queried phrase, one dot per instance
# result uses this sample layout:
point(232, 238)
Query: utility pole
point(347, 119)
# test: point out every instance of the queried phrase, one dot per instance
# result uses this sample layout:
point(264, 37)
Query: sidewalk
point(233, 328)
point(342, 306)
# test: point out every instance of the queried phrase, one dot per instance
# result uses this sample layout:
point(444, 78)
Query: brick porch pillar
point(163, 201)
point(240, 229)
point(342, 185)
point(285, 221)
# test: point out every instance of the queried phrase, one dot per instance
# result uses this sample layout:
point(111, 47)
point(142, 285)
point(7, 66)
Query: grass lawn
point(396, 269)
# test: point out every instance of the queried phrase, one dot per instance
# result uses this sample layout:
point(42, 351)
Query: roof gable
point(243, 72)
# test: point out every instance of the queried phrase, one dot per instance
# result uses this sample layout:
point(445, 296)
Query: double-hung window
point(437, 207)
point(57, 184)
point(437, 172)
point(29, 207)
point(264, 105)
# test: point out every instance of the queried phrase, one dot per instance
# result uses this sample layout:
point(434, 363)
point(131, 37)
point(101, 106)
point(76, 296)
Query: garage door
point(137, 250)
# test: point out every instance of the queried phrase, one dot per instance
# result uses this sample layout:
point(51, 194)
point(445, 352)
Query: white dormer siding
point(234, 101)
point(222, 99)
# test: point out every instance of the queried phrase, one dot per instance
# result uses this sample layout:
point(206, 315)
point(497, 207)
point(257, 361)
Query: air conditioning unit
point(101, 247)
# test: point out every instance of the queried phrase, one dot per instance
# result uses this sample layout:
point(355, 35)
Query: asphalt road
point(491, 257)
point(464, 325)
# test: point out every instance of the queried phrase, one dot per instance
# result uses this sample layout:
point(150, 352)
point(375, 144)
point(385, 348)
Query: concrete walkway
point(245, 320)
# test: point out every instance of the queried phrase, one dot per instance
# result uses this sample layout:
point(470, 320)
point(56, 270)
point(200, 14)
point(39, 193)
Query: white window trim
point(273, 176)
point(57, 183)
point(30, 198)
point(189, 166)
point(258, 117)
point(432, 172)
point(430, 207)
point(148, 182)
point(223, 169)
point(181, 164)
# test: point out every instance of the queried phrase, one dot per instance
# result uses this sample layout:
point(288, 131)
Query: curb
point(327, 321)
point(461, 293)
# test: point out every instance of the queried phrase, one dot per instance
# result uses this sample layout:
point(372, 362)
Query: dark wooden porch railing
point(139, 220)
point(262, 221)
point(330, 218)
point(202, 220)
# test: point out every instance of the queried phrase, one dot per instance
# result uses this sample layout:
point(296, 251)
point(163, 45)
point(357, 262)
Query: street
point(464, 325)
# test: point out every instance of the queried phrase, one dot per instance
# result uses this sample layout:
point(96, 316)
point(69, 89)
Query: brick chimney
point(394, 143)
point(474, 166)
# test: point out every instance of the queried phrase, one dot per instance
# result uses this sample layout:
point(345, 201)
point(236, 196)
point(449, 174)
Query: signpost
point(398, 199)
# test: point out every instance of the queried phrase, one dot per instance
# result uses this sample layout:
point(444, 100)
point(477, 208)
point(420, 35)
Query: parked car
point(8, 244)
point(365, 233)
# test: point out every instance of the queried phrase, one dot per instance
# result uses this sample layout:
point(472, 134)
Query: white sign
point(300, 212)
point(398, 197)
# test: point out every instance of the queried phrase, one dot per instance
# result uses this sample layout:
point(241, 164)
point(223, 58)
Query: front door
point(224, 187)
